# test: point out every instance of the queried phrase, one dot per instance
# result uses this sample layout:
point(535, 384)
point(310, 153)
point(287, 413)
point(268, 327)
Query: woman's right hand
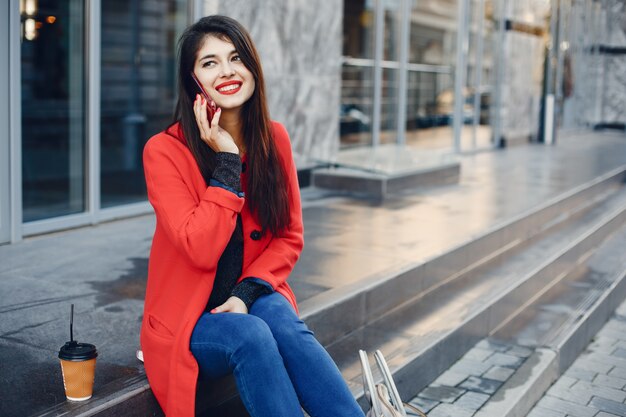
point(232, 305)
point(212, 134)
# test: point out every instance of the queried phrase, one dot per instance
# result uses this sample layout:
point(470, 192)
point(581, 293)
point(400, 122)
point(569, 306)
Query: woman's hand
point(212, 134)
point(232, 305)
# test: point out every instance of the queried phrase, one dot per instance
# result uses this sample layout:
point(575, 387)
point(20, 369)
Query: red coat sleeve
point(198, 225)
point(278, 259)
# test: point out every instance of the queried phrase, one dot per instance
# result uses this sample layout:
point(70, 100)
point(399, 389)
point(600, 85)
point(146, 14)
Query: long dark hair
point(266, 190)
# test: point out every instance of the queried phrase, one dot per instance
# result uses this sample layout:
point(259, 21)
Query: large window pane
point(430, 90)
point(357, 87)
point(356, 105)
point(138, 88)
point(479, 82)
point(391, 55)
point(53, 108)
point(389, 106)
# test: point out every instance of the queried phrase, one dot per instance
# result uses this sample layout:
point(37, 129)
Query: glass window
point(391, 55)
point(479, 80)
point(430, 79)
point(138, 88)
point(53, 107)
point(357, 90)
point(357, 86)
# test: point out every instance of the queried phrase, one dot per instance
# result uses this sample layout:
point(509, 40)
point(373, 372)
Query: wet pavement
point(102, 269)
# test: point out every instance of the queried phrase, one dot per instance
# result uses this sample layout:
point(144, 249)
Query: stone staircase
point(427, 316)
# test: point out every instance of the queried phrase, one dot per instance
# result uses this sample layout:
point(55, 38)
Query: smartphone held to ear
point(211, 107)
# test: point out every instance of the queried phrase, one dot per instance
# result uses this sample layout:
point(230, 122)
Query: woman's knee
point(294, 330)
point(273, 307)
point(255, 333)
point(256, 344)
point(231, 330)
point(280, 317)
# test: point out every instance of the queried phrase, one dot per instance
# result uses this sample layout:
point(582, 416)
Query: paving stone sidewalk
point(594, 386)
point(464, 388)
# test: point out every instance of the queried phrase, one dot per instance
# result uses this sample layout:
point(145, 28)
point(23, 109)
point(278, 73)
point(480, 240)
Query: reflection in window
point(479, 86)
point(138, 88)
point(430, 89)
point(391, 54)
point(357, 73)
point(430, 79)
point(53, 108)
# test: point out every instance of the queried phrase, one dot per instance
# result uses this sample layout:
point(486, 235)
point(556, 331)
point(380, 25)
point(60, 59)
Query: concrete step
point(382, 185)
point(305, 168)
point(387, 170)
point(423, 338)
point(337, 312)
point(505, 374)
point(441, 290)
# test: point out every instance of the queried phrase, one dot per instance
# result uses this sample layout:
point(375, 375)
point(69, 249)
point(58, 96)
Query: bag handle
point(368, 384)
point(388, 378)
point(414, 409)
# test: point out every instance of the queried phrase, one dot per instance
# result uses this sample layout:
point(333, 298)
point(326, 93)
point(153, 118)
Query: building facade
point(87, 82)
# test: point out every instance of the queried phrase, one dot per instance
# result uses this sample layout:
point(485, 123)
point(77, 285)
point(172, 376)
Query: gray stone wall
point(614, 103)
point(300, 46)
point(614, 92)
point(581, 108)
point(521, 84)
point(522, 72)
point(599, 78)
point(599, 94)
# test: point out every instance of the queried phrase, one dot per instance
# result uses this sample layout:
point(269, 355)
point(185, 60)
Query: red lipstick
point(230, 91)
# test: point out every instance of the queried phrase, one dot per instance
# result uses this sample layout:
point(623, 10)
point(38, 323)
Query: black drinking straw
point(72, 324)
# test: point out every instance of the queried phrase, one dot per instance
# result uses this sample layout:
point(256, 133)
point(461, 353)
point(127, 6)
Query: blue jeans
point(278, 364)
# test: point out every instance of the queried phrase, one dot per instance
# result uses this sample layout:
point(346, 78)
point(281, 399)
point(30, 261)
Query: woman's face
point(222, 73)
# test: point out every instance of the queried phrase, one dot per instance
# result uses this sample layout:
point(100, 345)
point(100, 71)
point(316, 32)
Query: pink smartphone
point(211, 107)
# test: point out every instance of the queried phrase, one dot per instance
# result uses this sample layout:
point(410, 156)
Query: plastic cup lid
point(74, 351)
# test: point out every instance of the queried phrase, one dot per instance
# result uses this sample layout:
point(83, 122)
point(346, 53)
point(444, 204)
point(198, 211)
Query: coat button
point(255, 235)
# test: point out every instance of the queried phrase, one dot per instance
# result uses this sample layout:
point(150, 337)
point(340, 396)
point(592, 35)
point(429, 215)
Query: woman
point(228, 233)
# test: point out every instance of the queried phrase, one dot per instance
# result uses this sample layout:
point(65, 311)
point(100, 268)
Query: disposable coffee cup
point(78, 365)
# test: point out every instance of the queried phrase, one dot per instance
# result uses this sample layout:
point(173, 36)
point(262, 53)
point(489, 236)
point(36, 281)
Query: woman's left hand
point(232, 305)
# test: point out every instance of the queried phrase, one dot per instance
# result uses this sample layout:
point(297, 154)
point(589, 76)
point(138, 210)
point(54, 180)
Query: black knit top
point(227, 174)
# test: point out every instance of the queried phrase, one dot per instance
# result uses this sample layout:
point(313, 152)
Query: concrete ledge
point(380, 185)
point(514, 140)
point(130, 397)
point(305, 169)
point(529, 383)
point(525, 387)
point(418, 367)
point(336, 312)
point(586, 326)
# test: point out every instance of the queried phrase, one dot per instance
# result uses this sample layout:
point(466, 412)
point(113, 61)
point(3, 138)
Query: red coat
point(194, 225)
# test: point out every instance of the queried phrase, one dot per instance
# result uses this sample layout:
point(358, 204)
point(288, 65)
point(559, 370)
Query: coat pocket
point(157, 328)
point(157, 346)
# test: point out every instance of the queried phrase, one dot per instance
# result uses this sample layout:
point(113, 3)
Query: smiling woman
point(221, 69)
point(226, 80)
point(229, 231)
